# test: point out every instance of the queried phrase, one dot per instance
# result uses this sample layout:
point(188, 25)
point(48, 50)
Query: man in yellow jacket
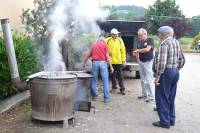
point(118, 58)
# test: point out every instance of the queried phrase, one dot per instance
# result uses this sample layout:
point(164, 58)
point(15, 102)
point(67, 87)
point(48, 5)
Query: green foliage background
point(156, 40)
point(195, 22)
point(158, 12)
point(26, 59)
point(116, 14)
point(196, 39)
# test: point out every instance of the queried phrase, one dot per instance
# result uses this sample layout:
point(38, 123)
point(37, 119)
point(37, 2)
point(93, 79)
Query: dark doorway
point(129, 43)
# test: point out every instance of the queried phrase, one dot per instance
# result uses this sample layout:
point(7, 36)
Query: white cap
point(114, 31)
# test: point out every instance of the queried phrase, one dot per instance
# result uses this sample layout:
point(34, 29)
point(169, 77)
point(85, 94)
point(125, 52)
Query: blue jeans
point(102, 67)
point(165, 96)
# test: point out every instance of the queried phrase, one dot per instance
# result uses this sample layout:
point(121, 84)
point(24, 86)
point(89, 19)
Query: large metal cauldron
point(53, 95)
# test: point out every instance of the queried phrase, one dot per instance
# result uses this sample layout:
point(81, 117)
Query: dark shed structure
point(128, 27)
point(128, 32)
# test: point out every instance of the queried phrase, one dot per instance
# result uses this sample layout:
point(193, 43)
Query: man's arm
point(160, 63)
point(144, 50)
point(150, 44)
point(181, 59)
point(109, 62)
point(161, 60)
point(87, 57)
point(108, 59)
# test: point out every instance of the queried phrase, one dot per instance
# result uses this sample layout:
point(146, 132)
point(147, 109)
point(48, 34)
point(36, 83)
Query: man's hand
point(156, 80)
point(111, 70)
point(135, 54)
point(136, 51)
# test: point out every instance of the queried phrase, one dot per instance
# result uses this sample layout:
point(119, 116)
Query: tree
point(195, 22)
point(159, 11)
point(127, 16)
point(35, 20)
point(116, 14)
point(180, 26)
point(112, 10)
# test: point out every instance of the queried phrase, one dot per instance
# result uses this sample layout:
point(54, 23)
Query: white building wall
point(12, 9)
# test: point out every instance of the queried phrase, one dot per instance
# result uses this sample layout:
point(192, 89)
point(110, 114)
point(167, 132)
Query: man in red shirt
point(100, 59)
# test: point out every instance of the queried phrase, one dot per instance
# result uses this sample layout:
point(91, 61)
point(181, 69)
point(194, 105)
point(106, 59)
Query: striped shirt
point(168, 55)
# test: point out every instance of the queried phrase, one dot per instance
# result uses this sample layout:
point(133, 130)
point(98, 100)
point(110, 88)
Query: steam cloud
point(68, 21)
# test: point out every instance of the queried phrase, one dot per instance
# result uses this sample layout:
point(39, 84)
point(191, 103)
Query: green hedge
point(26, 59)
point(185, 40)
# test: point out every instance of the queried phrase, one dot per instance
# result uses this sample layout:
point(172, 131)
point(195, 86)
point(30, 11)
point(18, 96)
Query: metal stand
point(68, 122)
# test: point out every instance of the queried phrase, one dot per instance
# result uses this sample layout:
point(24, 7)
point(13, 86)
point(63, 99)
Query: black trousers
point(117, 75)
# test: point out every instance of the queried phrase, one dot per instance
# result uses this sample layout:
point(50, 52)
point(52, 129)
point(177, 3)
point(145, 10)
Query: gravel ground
point(124, 114)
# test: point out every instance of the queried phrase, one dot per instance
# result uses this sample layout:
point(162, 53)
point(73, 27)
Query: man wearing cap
point(168, 60)
point(118, 58)
point(100, 60)
point(145, 51)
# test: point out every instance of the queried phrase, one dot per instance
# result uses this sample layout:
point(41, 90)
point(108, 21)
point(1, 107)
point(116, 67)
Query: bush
point(196, 39)
point(26, 59)
point(185, 40)
point(156, 40)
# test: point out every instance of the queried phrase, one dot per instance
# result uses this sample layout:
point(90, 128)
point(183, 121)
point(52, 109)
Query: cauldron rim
point(56, 75)
point(67, 75)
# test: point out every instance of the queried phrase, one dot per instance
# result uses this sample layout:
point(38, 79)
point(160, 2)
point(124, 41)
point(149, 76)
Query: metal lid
point(53, 75)
point(80, 74)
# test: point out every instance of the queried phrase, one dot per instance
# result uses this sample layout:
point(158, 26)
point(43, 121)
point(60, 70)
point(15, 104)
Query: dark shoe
point(158, 124)
point(141, 97)
point(149, 100)
point(154, 109)
point(122, 92)
point(172, 124)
